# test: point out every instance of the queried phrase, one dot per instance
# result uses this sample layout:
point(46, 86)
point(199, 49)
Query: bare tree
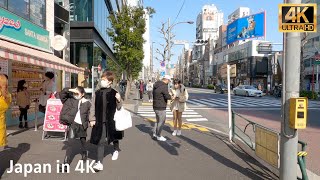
point(166, 47)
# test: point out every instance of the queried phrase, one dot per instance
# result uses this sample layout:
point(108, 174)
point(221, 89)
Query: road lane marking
point(150, 112)
point(197, 119)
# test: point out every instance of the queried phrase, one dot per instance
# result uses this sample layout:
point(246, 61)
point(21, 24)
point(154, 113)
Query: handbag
point(122, 119)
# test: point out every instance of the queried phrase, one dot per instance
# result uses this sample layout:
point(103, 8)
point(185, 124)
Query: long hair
point(4, 87)
point(20, 85)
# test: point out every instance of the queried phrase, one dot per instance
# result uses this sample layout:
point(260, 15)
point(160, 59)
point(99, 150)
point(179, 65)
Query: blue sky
point(169, 9)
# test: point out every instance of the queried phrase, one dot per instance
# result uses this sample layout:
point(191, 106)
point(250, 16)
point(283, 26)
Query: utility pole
point(291, 86)
point(169, 47)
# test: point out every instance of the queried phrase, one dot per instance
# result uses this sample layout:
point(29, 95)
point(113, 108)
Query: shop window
point(81, 10)
point(4, 3)
point(19, 7)
point(38, 12)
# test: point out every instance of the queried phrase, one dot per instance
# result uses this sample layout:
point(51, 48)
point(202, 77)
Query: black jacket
point(70, 109)
point(104, 116)
point(160, 95)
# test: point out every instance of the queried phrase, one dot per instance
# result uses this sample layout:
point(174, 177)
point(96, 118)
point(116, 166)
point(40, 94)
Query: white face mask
point(105, 84)
point(77, 97)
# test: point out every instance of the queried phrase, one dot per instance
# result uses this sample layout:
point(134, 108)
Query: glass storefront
point(81, 10)
point(81, 55)
point(86, 55)
point(33, 10)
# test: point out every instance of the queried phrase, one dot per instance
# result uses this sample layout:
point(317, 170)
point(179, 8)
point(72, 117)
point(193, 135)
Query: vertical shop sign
point(4, 66)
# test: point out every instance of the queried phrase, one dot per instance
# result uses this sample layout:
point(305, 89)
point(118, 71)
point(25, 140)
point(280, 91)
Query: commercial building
point(208, 22)
point(27, 39)
point(90, 44)
point(310, 49)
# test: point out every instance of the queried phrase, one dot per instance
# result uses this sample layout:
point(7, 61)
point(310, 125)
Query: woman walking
point(141, 89)
point(150, 90)
point(105, 102)
point(23, 101)
point(5, 101)
point(178, 105)
point(75, 114)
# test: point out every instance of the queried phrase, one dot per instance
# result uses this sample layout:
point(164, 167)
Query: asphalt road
point(266, 111)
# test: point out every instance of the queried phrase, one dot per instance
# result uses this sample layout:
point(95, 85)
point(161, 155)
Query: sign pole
point(288, 135)
point(229, 104)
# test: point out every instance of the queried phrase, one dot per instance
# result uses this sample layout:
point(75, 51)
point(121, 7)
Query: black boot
point(84, 155)
point(20, 125)
point(26, 125)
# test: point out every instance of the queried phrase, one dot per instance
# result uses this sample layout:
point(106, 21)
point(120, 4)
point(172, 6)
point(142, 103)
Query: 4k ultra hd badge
point(298, 17)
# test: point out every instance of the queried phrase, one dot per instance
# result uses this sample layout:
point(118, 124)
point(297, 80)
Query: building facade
point(208, 22)
point(90, 43)
point(310, 49)
point(27, 49)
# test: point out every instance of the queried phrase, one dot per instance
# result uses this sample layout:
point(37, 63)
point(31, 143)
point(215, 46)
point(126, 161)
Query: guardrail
point(241, 130)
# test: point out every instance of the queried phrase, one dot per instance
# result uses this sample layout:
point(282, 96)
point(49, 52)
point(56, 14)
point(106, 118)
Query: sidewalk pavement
point(194, 155)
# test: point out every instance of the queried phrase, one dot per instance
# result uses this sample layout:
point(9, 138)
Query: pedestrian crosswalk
point(189, 115)
point(241, 102)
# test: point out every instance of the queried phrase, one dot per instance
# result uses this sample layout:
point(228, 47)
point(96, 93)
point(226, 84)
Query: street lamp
point(169, 39)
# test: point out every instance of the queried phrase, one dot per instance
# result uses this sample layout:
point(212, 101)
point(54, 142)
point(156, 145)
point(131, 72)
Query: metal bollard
point(302, 161)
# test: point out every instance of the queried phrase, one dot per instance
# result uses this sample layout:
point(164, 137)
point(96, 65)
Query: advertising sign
point(52, 116)
point(17, 29)
point(4, 66)
point(247, 27)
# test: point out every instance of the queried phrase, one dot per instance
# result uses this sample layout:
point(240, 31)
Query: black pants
point(100, 152)
point(141, 94)
point(23, 114)
point(69, 151)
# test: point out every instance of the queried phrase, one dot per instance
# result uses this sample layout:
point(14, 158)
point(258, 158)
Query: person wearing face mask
point(105, 101)
point(23, 101)
point(75, 114)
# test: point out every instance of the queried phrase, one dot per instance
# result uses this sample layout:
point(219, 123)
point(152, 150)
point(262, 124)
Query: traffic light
point(201, 41)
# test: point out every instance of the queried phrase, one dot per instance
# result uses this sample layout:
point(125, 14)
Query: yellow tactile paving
point(187, 126)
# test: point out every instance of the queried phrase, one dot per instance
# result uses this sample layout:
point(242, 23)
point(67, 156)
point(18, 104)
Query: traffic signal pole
point(291, 77)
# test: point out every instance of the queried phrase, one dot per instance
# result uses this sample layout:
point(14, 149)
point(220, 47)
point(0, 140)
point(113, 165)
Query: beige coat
point(23, 99)
point(183, 98)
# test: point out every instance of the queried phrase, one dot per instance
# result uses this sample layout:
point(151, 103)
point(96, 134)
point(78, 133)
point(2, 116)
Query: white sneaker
point(174, 133)
point(161, 138)
point(98, 166)
point(179, 133)
point(115, 155)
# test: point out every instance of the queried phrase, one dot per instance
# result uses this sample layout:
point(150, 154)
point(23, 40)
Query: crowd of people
point(79, 113)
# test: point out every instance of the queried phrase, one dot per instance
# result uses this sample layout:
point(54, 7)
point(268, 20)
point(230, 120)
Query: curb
point(23, 130)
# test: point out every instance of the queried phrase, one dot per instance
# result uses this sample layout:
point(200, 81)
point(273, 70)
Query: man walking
point(160, 98)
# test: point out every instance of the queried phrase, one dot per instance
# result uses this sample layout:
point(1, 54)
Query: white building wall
point(50, 18)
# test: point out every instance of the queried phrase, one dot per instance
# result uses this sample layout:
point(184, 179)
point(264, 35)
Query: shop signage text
point(5, 22)
point(14, 28)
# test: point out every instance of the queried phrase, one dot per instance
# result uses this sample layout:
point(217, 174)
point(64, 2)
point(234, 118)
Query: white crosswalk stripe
point(241, 102)
point(188, 115)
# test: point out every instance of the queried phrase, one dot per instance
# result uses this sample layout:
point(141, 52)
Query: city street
point(262, 110)
point(211, 110)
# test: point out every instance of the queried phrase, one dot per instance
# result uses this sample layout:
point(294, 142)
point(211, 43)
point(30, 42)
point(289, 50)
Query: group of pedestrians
point(177, 97)
point(78, 113)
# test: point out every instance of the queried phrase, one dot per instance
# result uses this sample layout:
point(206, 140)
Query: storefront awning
point(31, 56)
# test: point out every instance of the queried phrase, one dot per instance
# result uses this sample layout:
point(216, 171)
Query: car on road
point(221, 88)
point(246, 90)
